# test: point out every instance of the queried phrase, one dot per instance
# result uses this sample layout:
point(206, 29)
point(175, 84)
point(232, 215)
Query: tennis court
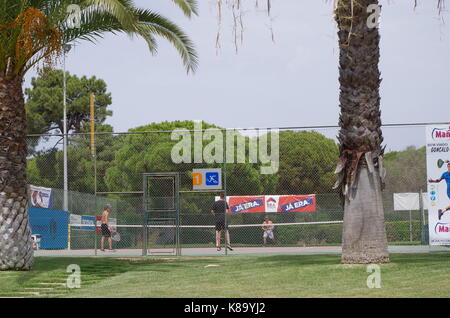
point(211, 251)
point(164, 213)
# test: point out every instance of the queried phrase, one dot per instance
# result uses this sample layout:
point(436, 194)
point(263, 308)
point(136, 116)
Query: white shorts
point(268, 234)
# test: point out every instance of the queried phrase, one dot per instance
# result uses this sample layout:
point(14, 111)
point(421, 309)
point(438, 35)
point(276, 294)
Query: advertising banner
point(246, 204)
point(82, 222)
point(271, 203)
point(40, 197)
point(438, 170)
point(51, 226)
point(297, 203)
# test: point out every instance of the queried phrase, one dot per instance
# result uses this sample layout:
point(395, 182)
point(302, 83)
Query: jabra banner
point(271, 203)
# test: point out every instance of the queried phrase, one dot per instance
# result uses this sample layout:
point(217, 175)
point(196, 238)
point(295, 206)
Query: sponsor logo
point(212, 178)
point(440, 133)
point(271, 203)
point(442, 228)
point(297, 205)
point(242, 207)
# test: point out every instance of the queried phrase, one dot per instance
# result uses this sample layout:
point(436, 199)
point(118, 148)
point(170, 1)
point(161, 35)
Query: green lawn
point(408, 275)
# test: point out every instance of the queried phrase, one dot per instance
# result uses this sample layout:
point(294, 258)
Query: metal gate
point(161, 214)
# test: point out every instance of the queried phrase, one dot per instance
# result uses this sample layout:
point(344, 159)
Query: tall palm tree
point(32, 31)
point(361, 155)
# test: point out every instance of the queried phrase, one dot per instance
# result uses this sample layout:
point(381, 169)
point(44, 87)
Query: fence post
point(95, 241)
point(410, 226)
point(423, 228)
point(68, 236)
point(224, 182)
point(422, 208)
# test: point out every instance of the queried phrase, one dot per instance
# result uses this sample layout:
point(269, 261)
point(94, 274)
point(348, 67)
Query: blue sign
point(212, 178)
point(52, 225)
point(207, 179)
point(88, 223)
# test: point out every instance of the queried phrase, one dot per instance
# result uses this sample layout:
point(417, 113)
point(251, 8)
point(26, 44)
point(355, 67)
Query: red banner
point(272, 203)
point(98, 225)
point(297, 203)
point(247, 204)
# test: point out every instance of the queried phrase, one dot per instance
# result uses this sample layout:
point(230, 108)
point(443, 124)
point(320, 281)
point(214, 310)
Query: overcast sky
point(292, 82)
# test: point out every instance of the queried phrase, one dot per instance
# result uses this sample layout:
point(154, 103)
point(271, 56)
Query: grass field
point(408, 275)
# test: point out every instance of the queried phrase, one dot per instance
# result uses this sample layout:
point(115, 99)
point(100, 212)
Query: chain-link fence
point(302, 162)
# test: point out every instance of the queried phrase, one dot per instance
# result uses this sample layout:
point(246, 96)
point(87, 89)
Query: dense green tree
point(307, 162)
point(406, 170)
point(150, 152)
point(46, 168)
point(44, 102)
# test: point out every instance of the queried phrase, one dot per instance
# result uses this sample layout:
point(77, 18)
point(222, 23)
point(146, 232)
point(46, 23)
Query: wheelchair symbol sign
point(207, 179)
point(212, 178)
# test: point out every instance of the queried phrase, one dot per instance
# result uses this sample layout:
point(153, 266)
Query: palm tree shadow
point(299, 260)
point(47, 269)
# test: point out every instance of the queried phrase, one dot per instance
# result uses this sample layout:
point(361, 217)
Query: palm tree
point(34, 31)
point(360, 168)
point(361, 155)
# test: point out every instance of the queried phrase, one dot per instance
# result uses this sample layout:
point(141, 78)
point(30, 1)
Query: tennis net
point(160, 235)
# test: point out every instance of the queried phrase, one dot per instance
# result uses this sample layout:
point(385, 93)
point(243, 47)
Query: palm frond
point(96, 18)
point(119, 9)
point(153, 23)
point(189, 7)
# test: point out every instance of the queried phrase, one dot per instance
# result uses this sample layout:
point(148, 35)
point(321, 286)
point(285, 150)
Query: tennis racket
point(115, 237)
point(441, 162)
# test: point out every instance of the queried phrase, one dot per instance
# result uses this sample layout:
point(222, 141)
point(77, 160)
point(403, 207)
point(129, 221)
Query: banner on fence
point(82, 222)
point(409, 201)
point(438, 170)
point(51, 225)
point(40, 197)
point(271, 203)
point(207, 179)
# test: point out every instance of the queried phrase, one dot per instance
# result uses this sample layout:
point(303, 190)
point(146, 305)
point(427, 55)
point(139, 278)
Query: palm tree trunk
point(16, 251)
point(360, 167)
point(364, 234)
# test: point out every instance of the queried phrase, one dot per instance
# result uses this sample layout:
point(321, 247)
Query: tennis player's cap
point(108, 206)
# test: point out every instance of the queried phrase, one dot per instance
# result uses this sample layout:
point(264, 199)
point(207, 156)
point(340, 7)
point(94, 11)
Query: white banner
point(75, 219)
point(409, 201)
point(40, 197)
point(406, 201)
point(438, 170)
